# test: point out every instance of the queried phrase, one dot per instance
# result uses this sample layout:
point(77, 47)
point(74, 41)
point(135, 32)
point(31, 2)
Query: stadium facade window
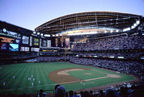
point(24, 49)
point(31, 40)
point(35, 49)
point(48, 43)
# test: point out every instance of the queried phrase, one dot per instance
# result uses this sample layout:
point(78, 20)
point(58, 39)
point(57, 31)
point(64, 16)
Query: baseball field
point(31, 77)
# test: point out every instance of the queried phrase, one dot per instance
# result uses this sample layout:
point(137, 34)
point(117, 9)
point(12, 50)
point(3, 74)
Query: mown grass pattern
point(38, 73)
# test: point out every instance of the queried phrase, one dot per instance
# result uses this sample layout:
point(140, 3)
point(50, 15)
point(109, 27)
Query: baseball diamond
point(47, 75)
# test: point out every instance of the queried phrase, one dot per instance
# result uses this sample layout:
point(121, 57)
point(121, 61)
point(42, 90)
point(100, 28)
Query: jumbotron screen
point(4, 46)
point(44, 43)
point(13, 47)
point(35, 41)
point(25, 40)
point(6, 39)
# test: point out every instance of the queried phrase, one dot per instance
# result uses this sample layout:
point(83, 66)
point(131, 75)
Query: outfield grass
point(18, 78)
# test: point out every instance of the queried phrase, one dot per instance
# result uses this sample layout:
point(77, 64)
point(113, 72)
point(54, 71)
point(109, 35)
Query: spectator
point(59, 91)
point(42, 93)
point(101, 93)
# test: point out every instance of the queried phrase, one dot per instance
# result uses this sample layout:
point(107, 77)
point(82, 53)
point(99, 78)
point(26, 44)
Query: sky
point(32, 13)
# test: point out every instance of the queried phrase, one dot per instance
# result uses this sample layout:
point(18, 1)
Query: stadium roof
point(97, 21)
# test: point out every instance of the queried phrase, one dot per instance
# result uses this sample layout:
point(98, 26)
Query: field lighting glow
point(85, 31)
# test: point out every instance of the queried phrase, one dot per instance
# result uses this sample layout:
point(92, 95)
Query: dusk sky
point(32, 13)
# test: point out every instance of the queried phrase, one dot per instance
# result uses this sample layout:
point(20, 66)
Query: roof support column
point(96, 20)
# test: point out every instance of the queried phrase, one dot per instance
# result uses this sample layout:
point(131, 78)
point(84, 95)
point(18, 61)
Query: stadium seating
point(106, 53)
point(111, 43)
point(125, 90)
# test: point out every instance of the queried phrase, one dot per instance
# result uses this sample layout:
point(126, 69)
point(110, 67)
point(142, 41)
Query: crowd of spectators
point(52, 58)
point(15, 57)
point(130, 67)
point(111, 43)
point(123, 90)
point(126, 90)
point(49, 59)
point(108, 50)
point(18, 55)
point(25, 55)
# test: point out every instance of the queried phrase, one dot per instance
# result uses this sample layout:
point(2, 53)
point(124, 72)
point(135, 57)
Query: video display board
point(25, 40)
point(4, 46)
point(10, 33)
point(44, 43)
point(35, 41)
point(9, 47)
point(13, 47)
point(6, 39)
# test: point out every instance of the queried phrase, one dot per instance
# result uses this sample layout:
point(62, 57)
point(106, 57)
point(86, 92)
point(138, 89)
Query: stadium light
point(105, 31)
point(132, 27)
point(117, 30)
point(84, 33)
point(95, 56)
point(60, 34)
point(38, 33)
point(53, 35)
point(77, 55)
point(111, 56)
point(4, 30)
point(57, 35)
point(46, 35)
point(137, 22)
point(126, 29)
point(34, 32)
point(41, 34)
point(111, 31)
point(120, 57)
